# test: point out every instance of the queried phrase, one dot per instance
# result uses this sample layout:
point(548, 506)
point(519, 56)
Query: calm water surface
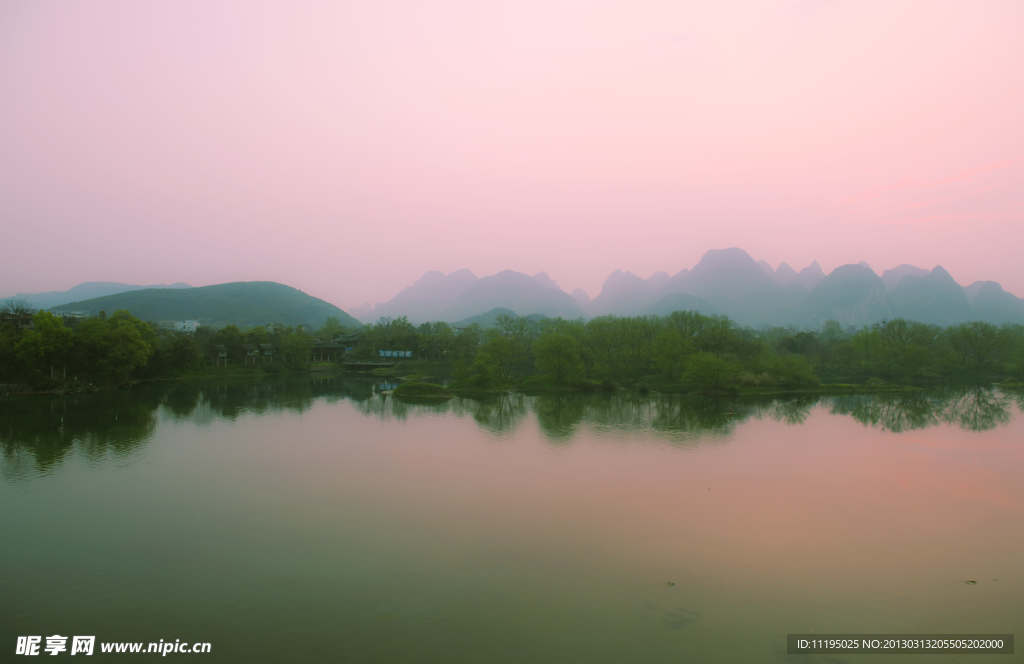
point(318, 520)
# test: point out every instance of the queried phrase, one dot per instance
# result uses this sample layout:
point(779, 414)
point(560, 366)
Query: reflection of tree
point(559, 416)
point(977, 408)
point(696, 415)
point(890, 412)
point(1012, 395)
point(39, 433)
point(685, 417)
point(791, 411)
point(182, 399)
point(497, 413)
point(971, 408)
point(384, 406)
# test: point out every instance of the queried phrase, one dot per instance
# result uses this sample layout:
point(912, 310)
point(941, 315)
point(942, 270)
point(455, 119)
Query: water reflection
point(971, 408)
point(37, 434)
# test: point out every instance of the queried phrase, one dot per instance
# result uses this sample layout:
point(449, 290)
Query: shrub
point(711, 372)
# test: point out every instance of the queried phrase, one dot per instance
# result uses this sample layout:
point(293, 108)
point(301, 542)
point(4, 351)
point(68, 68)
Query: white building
point(186, 326)
point(77, 315)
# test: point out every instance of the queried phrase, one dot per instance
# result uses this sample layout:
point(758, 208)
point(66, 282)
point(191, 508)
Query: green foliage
point(682, 351)
point(331, 328)
point(47, 344)
point(669, 351)
point(794, 372)
point(182, 351)
point(231, 338)
point(711, 372)
point(295, 345)
point(502, 352)
point(558, 353)
point(131, 343)
point(975, 344)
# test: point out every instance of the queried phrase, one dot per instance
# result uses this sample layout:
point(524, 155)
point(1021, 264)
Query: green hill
point(490, 319)
point(242, 303)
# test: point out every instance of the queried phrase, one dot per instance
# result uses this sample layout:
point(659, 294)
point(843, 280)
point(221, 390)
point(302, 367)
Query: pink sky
point(346, 148)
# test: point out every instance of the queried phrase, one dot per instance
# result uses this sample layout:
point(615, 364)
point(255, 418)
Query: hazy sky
point(346, 148)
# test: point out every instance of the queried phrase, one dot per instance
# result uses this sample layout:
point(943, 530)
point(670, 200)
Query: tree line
point(118, 348)
point(709, 352)
point(683, 348)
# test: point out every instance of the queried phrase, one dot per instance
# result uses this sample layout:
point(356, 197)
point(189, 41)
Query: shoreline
point(530, 385)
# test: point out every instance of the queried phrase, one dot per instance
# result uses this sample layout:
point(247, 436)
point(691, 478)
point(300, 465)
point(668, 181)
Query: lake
point(316, 519)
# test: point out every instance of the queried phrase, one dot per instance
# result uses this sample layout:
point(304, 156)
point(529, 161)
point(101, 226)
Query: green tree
point(500, 352)
point(467, 343)
point(257, 335)
point(711, 372)
point(793, 371)
point(975, 344)
point(131, 343)
point(231, 338)
point(182, 351)
point(47, 344)
point(13, 311)
point(330, 329)
point(669, 352)
point(558, 353)
point(509, 343)
point(295, 345)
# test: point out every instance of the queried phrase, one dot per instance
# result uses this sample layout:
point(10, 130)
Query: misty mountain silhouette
point(424, 301)
point(516, 291)
point(624, 294)
point(933, 298)
point(731, 282)
point(989, 302)
point(810, 276)
point(581, 298)
point(851, 294)
point(725, 281)
point(85, 291)
point(891, 278)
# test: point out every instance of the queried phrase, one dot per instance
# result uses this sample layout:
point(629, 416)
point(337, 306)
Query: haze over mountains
point(84, 291)
point(725, 281)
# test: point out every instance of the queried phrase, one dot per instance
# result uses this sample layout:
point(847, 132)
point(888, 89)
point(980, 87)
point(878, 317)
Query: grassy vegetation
point(417, 390)
point(549, 383)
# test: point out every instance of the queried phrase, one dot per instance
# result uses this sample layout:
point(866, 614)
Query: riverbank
point(430, 372)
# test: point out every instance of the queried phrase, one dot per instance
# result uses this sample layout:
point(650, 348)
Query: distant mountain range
point(725, 281)
point(461, 295)
point(85, 291)
point(244, 303)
